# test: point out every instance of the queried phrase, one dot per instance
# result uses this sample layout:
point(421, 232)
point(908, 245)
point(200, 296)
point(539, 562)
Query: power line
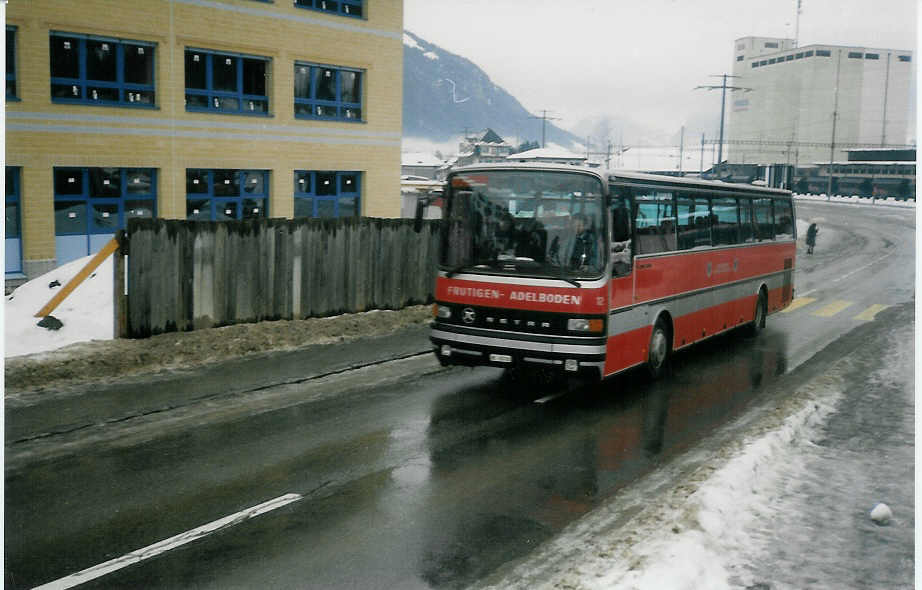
point(544, 119)
point(818, 144)
point(723, 106)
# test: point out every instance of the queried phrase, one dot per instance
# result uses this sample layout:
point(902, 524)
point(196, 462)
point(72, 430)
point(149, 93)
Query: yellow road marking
point(869, 313)
point(832, 309)
point(798, 303)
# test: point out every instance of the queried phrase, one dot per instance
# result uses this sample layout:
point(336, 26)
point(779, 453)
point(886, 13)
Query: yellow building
point(198, 109)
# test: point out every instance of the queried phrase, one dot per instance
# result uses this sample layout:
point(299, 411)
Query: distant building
point(549, 156)
point(483, 147)
point(867, 172)
point(423, 165)
point(194, 110)
point(787, 116)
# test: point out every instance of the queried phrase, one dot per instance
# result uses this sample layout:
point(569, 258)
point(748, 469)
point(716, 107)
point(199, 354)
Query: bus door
point(626, 335)
point(621, 250)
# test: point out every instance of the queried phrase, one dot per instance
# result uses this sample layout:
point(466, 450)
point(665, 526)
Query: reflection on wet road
point(432, 484)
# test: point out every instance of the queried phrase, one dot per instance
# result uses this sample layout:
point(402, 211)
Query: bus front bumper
point(508, 351)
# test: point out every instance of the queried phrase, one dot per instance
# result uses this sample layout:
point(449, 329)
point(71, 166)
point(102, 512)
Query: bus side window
point(747, 234)
point(762, 214)
point(694, 222)
point(654, 222)
point(784, 220)
point(725, 226)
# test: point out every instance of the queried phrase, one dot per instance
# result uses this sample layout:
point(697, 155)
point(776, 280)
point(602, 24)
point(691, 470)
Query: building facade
point(195, 109)
point(786, 115)
point(483, 147)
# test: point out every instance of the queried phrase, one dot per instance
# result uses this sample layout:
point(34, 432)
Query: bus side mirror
point(421, 204)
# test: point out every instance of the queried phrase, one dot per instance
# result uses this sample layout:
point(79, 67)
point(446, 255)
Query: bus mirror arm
point(421, 204)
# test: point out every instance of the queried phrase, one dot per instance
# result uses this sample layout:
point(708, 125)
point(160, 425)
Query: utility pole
point(544, 119)
point(681, 148)
point(797, 24)
point(835, 115)
point(701, 166)
point(723, 106)
point(883, 132)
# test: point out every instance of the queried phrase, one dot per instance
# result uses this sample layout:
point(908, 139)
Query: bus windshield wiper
point(452, 272)
point(555, 259)
point(573, 282)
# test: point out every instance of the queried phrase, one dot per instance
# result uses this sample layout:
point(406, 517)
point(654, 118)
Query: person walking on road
point(811, 237)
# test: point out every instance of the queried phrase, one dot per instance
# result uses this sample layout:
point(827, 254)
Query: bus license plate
point(501, 358)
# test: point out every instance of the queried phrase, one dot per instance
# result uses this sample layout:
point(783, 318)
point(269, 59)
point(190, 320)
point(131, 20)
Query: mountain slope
point(444, 94)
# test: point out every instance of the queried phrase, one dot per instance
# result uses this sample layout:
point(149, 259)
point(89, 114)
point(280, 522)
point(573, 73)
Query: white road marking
point(845, 276)
point(167, 544)
point(551, 397)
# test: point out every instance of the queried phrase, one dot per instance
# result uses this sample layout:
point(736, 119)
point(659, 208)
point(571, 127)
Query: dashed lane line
point(797, 303)
point(868, 314)
point(832, 308)
point(847, 275)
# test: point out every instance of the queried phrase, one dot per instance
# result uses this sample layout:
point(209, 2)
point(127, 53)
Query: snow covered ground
point(86, 313)
point(784, 504)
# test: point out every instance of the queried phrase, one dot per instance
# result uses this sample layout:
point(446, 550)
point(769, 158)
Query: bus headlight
point(442, 311)
point(584, 325)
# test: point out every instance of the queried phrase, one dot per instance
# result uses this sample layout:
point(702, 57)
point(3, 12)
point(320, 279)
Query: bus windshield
point(534, 223)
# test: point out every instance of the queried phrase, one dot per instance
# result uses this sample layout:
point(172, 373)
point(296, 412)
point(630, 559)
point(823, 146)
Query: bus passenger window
point(654, 222)
point(784, 220)
point(747, 232)
point(694, 221)
point(762, 215)
point(725, 225)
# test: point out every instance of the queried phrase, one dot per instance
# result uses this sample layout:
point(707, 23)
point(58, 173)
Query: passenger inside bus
point(582, 249)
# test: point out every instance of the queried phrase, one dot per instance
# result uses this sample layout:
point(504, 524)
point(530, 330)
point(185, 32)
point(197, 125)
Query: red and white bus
point(567, 268)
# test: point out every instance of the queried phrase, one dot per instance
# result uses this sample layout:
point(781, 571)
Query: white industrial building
point(786, 115)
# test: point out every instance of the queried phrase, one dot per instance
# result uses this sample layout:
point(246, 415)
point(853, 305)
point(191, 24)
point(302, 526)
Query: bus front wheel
point(660, 348)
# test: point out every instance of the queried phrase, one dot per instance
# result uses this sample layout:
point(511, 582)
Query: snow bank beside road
point(886, 202)
point(694, 541)
point(779, 498)
point(86, 313)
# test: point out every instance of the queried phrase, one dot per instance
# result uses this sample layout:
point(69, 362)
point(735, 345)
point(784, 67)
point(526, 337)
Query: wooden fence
point(187, 275)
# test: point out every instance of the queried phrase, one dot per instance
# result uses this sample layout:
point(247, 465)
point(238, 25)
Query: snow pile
point(881, 514)
point(696, 541)
point(86, 313)
point(855, 199)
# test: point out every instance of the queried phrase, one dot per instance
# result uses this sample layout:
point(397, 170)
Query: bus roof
point(625, 176)
point(643, 177)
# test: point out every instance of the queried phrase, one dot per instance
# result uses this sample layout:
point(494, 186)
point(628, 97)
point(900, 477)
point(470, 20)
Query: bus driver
point(582, 243)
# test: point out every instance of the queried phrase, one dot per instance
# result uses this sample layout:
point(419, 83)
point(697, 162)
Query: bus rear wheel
point(660, 349)
point(758, 321)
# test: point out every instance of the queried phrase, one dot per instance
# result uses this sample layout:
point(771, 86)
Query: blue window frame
point(101, 200)
point(11, 91)
point(222, 194)
point(353, 8)
point(13, 241)
point(327, 193)
point(226, 82)
point(102, 71)
point(327, 92)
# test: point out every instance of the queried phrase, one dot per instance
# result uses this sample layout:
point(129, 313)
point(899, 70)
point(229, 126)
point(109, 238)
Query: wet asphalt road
point(410, 476)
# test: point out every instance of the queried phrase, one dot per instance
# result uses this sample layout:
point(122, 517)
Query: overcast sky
point(640, 59)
